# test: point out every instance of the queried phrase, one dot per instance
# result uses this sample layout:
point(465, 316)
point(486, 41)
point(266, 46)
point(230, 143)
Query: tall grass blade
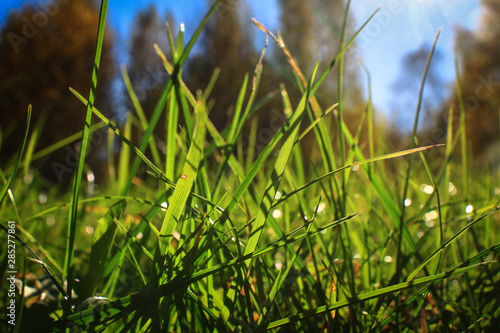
point(123, 138)
point(374, 294)
point(350, 166)
point(402, 226)
point(73, 213)
point(64, 142)
point(279, 168)
point(450, 241)
point(463, 128)
point(185, 182)
point(160, 105)
point(140, 114)
point(104, 235)
point(144, 298)
point(13, 173)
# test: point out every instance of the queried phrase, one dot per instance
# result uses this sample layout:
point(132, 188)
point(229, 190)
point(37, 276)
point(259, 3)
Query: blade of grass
point(145, 298)
point(238, 124)
point(275, 179)
point(175, 77)
point(73, 213)
point(283, 274)
point(230, 142)
point(32, 144)
point(64, 142)
point(366, 161)
point(140, 114)
point(450, 241)
point(438, 199)
point(172, 123)
point(110, 150)
point(13, 173)
point(463, 129)
point(246, 184)
point(155, 171)
point(373, 294)
point(122, 137)
point(186, 181)
point(279, 168)
point(102, 242)
point(400, 261)
point(340, 86)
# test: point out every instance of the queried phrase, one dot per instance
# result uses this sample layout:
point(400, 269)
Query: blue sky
point(400, 27)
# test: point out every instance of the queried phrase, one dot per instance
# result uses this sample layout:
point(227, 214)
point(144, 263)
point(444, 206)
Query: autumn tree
point(297, 22)
point(145, 68)
point(312, 30)
point(44, 49)
point(226, 44)
point(479, 59)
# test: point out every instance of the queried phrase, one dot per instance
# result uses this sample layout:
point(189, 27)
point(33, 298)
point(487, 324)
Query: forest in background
point(40, 59)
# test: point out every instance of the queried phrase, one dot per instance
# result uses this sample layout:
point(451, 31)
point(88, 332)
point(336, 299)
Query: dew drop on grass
point(321, 208)
point(452, 189)
point(164, 206)
point(28, 178)
point(469, 209)
point(50, 221)
point(429, 218)
point(278, 264)
point(277, 196)
point(408, 202)
point(277, 213)
point(139, 235)
point(388, 259)
point(355, 168)
point(357, 256)
point(429, 223)
point(42, 198)
point(89, 229)
point(427, 188)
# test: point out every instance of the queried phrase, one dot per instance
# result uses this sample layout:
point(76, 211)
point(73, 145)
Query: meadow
point(227, 232)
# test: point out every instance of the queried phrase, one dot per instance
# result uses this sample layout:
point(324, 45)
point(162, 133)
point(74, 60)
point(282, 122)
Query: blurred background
point(48, 46)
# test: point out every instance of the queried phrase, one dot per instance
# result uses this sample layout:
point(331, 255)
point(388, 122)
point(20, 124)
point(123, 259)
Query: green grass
point(217, 239)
